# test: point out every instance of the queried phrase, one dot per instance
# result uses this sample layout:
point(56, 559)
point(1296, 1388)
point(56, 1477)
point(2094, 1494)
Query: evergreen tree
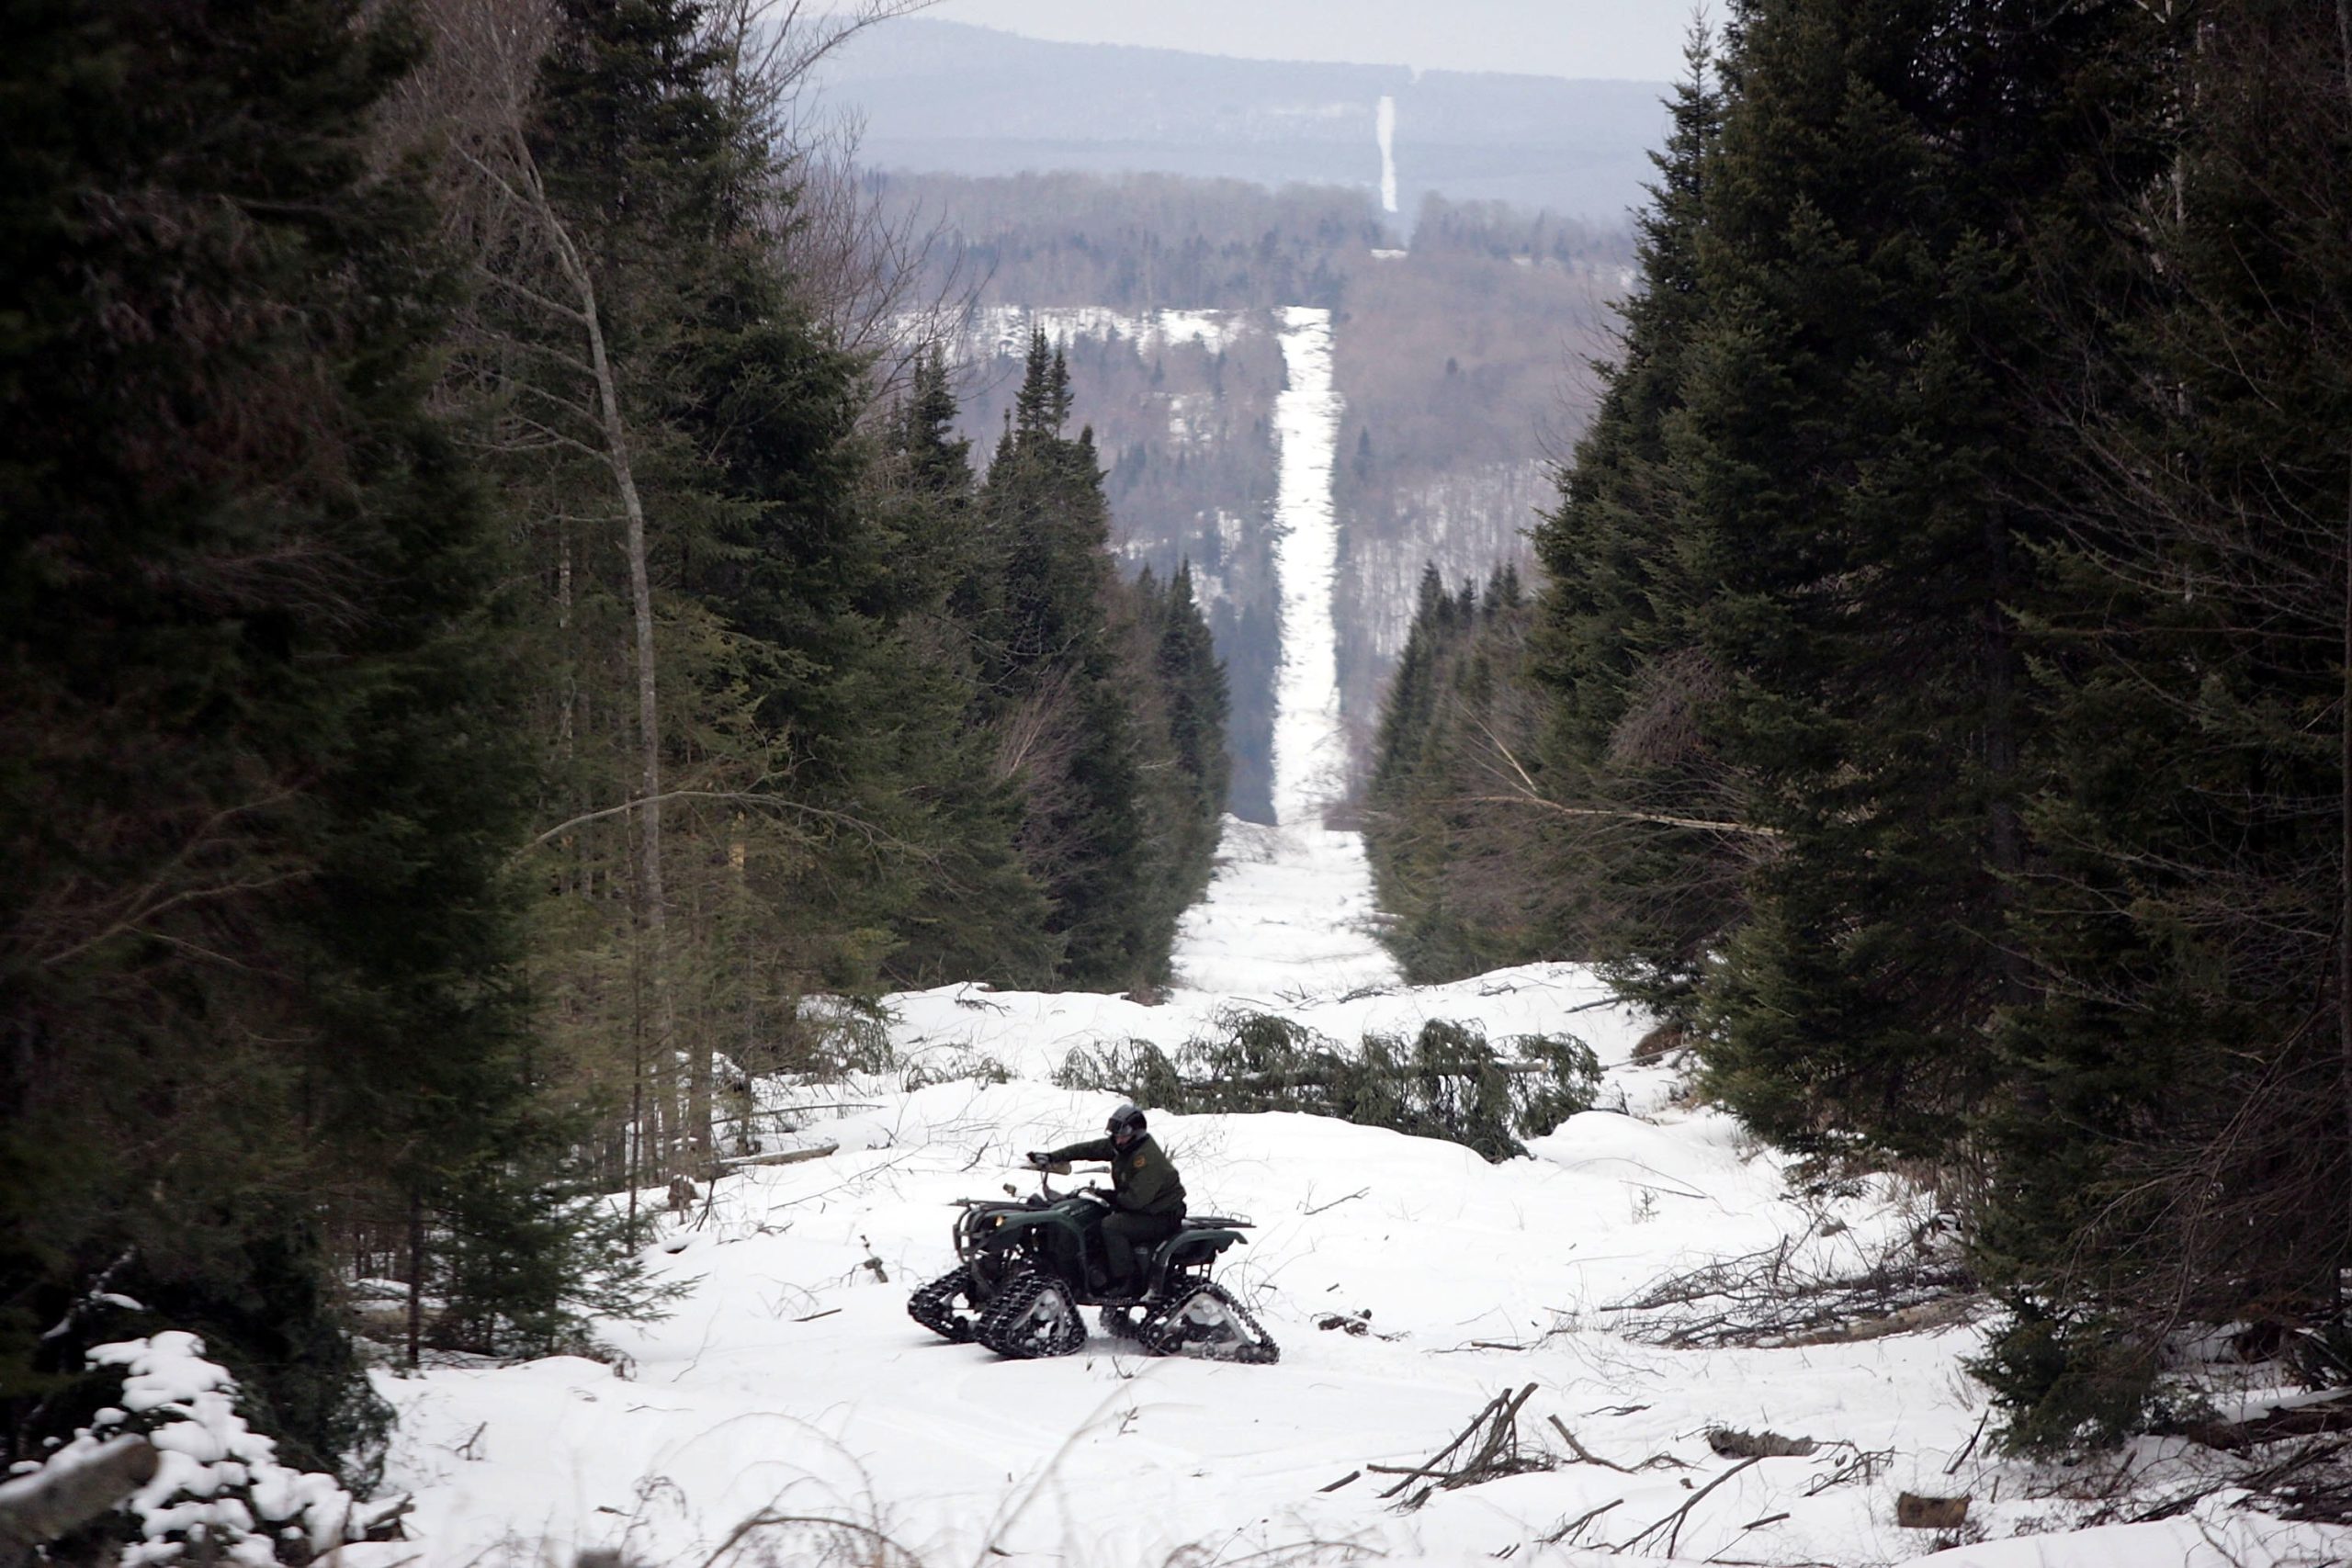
point(2179, 1121)
point(259, 965)
point(1071, 663)
point(1866, 515)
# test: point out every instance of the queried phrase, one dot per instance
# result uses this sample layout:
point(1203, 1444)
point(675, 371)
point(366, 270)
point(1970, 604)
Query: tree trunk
point(2005, 828)
point(653, 905)
point(2344, 763)
point(416, 1276)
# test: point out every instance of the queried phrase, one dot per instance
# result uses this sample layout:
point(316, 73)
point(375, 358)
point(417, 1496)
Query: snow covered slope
point(791, 1383)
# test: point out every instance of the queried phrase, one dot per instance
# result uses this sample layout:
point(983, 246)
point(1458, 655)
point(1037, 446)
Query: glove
point(1037, 1161)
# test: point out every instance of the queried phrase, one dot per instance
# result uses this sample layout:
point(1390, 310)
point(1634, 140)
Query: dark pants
point(1128, 1238)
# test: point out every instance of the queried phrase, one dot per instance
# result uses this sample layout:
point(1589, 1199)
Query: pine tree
point(1649, 895)
point(2183, 1085)
point(1070, 662)
point(1867, 514)
point(260, 942)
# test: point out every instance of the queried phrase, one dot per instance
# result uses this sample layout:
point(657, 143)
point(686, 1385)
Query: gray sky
point(1637, 39)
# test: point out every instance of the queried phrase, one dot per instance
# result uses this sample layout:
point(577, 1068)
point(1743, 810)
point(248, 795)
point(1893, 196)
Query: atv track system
point(1033, 1316)
point(1209, 1324)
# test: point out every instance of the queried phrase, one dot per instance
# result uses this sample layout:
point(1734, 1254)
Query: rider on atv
point(1146, 1195)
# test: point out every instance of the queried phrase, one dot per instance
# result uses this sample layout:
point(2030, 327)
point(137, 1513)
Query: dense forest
point(483, 653)
point(1935, 702)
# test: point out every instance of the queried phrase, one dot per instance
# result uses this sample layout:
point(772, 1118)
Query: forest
point(496, 655)
point(517, 627)
point(1934, 703)
point(1461, 355)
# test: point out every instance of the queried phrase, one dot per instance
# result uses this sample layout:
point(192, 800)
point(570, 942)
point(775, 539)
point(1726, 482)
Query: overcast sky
point(1641, 39)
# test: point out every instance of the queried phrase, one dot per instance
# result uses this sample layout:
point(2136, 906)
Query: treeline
point(477, 655)
point(1937, 702)
point(1461, 710)
point(1447, 357)
point(1140, 241)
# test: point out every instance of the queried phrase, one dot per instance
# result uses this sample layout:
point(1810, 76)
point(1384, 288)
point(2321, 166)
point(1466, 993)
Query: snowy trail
point(1289, 912)
point(791, 1382)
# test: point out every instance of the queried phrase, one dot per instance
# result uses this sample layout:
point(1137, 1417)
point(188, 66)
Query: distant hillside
point(1460, 364)
point(944, 97)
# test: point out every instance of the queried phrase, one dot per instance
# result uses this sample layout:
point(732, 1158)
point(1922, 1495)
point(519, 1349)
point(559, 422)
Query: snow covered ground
point(791, 1383)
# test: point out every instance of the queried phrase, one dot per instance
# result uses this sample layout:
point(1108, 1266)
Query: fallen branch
point(64, 1495)
point(1730, 1443)
point(1336, 1202)
point(1588, 1457)
point(2274, 1424)
point(786, 1157)
point(1675, 1519)
point(1573, 1526)
point(1771, 1298)
point(1962, 1457)
point(1495, 1456)
point(1341, 1482)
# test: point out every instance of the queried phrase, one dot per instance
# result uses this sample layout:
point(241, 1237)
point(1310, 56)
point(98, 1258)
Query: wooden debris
point(1916, 1319)
point(35, 1509)
point(1914, 1512)
point(1655, 1461)
point(1341, 1482)
point(1731, 1443)
point(1672, 1523)
point(1962, 1457)
point(1567, 1531)
point(1336, 1202)
point(2311, 1420)
point(1494, 1454)
point(786, 1157)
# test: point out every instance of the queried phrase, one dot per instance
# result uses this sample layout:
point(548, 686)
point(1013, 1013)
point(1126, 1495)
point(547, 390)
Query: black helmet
point(1126, 1120)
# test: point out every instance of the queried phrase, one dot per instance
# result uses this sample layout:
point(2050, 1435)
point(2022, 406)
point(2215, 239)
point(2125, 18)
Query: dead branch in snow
point(786, 1157)
point(1495, 1453)
point(1656, 1461)
point(1672, 1523)
point(1567, 1531)
point(1771, 1298)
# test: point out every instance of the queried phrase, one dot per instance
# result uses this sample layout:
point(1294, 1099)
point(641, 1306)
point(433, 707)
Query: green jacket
point(1143, 1182)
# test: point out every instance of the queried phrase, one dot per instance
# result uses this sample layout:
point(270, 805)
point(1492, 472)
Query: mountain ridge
point(924, 87)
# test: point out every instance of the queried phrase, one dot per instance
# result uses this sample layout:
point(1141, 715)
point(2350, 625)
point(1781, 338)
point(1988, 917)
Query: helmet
point(1127, 1121)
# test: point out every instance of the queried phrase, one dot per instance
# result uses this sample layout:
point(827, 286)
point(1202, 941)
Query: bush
point(1448, 1082)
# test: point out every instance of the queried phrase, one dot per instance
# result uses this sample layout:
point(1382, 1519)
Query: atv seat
point(1194, 1244)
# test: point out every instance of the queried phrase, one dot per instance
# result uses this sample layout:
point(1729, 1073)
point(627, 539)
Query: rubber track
point(997, 1325)
point(1154, 1331)
point(934, 1306)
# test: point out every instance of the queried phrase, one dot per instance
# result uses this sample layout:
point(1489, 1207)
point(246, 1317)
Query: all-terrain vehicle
point(1029, 1264)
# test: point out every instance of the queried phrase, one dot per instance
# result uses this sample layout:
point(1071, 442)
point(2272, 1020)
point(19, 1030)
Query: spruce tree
point(261, 797)
point(1867, 517)
point(2179, 1123)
